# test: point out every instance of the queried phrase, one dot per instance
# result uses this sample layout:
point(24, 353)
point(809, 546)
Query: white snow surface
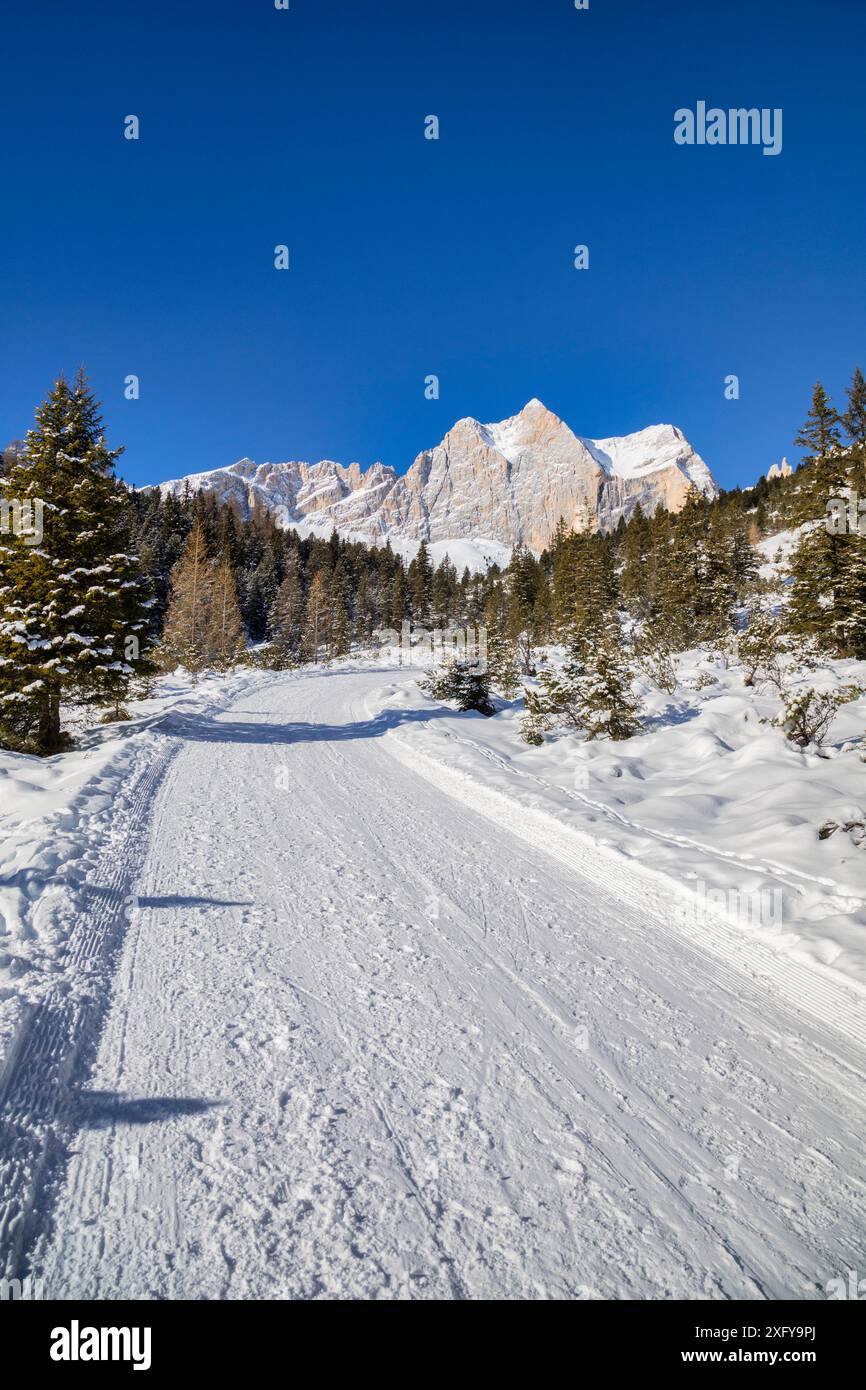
point(648, 450)
point(397, 1012)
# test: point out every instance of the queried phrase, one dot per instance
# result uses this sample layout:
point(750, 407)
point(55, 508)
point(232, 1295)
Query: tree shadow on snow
point(175, 900)
point(101, 1109)
point(235, 731)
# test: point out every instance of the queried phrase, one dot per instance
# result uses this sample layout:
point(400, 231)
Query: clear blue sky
point(409, 256)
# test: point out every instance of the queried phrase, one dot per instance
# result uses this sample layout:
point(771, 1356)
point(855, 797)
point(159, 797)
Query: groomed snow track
point(373, 1034)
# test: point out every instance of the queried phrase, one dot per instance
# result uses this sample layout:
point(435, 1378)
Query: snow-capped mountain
point(490, 486)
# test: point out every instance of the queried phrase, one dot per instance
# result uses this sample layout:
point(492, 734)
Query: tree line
point(122, 583)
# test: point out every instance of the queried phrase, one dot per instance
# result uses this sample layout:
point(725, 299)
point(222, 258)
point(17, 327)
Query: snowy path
point(365, 1044)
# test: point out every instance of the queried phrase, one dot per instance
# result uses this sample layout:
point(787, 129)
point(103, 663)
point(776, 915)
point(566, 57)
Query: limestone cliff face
point(510, 482)
point(780, 470)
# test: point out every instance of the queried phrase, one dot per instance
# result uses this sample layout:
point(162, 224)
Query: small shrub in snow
point(854, 827)
point(808, 714)
point(466, 682)
point(116, 715)
point(654, 658)
point(534, 721)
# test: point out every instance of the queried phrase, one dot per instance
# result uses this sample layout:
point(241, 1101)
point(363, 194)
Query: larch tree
point(224, 636)
point(185, 639)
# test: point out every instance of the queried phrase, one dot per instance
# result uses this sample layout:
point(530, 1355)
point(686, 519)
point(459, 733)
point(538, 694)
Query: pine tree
point(634, 548)
point(185, 639)
point(287, 617)
point(399, 597)
point(466, 682)
point(828, 591)
point(532, 724)
point(316, 634)
point(339, 614)
point(820, 434)
point(821, 437)
point(607, 705)
point(522, 580)
point(854, 420)
point(74, 600)
point(444, 592)
point(502, 661)
point(420, 579)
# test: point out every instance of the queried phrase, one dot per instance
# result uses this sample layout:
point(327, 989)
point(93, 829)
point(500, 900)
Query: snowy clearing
point(363, 1041)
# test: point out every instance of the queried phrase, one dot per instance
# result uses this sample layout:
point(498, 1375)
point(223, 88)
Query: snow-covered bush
point(590, 693)
point(808, 714)
point(655, 659)
point(466, 682)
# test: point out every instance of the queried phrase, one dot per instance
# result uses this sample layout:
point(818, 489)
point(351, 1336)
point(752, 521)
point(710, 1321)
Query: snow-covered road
point(364, 1043)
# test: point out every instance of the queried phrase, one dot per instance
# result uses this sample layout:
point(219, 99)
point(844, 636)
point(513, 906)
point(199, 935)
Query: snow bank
point(709, 795)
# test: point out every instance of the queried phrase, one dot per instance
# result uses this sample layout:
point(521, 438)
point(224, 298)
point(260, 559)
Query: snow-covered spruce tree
point(828, 591)
point(74, 605)
point(608, 708)
point(466, 682)
point(420, 582)
point(524, 579)
point(562, 694)
point(185, 640)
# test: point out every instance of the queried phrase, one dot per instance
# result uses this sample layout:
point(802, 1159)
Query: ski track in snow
point(365, 1043)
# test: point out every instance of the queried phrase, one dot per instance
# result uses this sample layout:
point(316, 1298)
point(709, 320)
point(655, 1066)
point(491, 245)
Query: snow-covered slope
point(493, 485)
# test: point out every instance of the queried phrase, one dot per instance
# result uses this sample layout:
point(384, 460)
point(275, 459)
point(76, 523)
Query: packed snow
point(329, 991)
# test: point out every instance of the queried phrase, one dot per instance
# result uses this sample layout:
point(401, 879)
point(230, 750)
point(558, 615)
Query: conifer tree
point(532, 724)
point(854, 420)
point(420, 579)
point(821, 437)
point(73, 599)
point(634, 548)
point(828, 591)
point(186, 638)
point(316, 634)
point(466, 682)
point(224, 637)
point(399, 597)
point(287, 617)
point(820, 434)
point(607, 705)
point(502, 661)
point(339, 614)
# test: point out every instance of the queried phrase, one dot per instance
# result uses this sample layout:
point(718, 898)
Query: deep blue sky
point(412, 257)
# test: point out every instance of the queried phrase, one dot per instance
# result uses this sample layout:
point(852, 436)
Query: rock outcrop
point(510, 483)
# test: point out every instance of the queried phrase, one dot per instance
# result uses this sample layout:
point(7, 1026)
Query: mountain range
point(483, 490)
